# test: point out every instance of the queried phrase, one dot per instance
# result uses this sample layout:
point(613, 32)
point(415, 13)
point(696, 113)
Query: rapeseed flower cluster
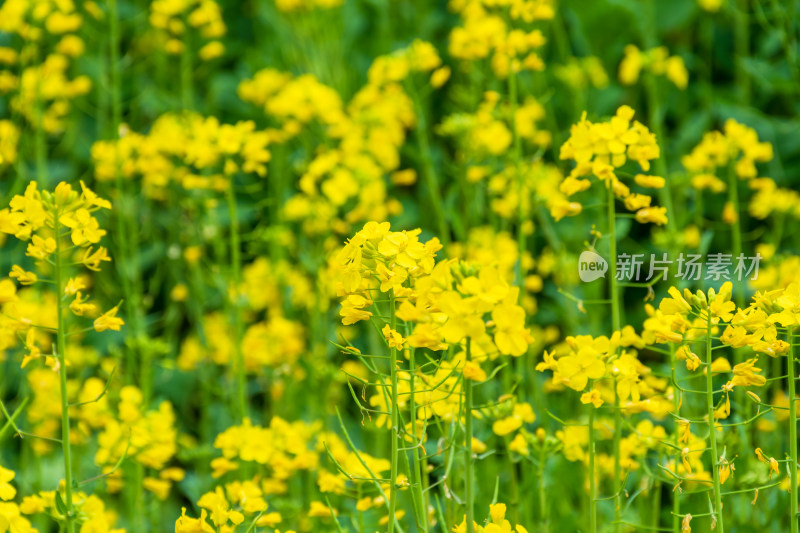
point(37, 72)
point(598, 149)
point(344, 293)
point(494, 30)
point(189, 23)
point(195, 152)
point(656, 61)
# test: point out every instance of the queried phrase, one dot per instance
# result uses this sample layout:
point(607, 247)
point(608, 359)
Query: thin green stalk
point(422, 519)
point(395, 421)
point(742, 49)
point(544, 526)
point(127, 266)
point(61, 343)
point(429, 172)
point(676, 406)
point(612, 261)
point(240, 401)
point(592, 483)
point(514, 496)
point(615, 323)
point(187, 76)
point(468, 463)
point(41, 148)
point(736, 233)
point(519, 275)
point(360, 517)
point(521, 363)
point(11, 418)
point(114, 44)
point(656, 120)
point(712, 429)
point(792, 437)
point(656, 509)
point(40, 138)
point(617, 463)
point(738, 296)
point(707, 40)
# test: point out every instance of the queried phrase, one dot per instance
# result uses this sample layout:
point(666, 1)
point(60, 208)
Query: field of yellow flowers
point(499, 266)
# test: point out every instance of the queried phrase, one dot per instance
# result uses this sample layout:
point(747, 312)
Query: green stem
point(612, 261)
point(468, 463)
point(617, 462)
point(742, 48)
point(61, 343)
point(519, 275)
point(429, 171)
point(711, 426)
point(11, 418)
point(736, 231)
point(187, 78)
point(615, 322)
point(656, 509)
point(592, 484)
point(417, 483)
point(395, 421)
point(792, 437)
point(738, 296)
point(240, 402)
point(676, 406)
point(114, 44)
point(656, 120)
point(544, 526)
point(40, 139)
point(127, 265)
point(513, 500)
point(40, 136)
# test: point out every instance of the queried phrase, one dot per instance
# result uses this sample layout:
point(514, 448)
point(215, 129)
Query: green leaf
point(60, 505)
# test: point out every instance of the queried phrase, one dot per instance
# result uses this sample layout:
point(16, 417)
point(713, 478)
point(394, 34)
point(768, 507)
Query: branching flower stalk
point(46, 220)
